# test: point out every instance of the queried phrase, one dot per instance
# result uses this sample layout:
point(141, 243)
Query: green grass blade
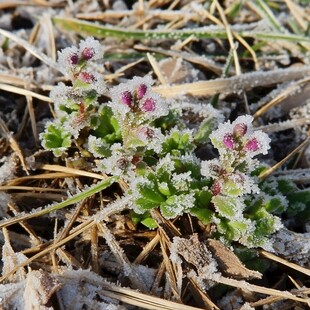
point(72, 200)
point(269, 15)
point(211, 32)
point(99, 31)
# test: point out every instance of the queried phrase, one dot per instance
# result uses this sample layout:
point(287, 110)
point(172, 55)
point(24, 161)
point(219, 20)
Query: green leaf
point(144, 219)
point(141, 168)
point(203, 214)
point(100, 31)
point(227, 231)
point(170, 208)
point(100, 148)
point(164, 188)
point(146, 204)
point(302, 196)
point(265, 223)
point(225, 205)
point(167, 122)
point(177, 143)
point(234, 9)
point(286, 186)
point(56, 139)
point(204, 131)
point(275, 205)
point(107, 126)
point(232, 188)
point(203, 198)
point(251, 259)
point(232, 230)
point(136, 217)
point(151, 193)
point(150, 223)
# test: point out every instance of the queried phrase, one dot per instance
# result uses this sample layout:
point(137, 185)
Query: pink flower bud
point(126, 98)
point(88, 53)
point(216, 188)
point(148, 105)
point(228, 141)
point(87, 77)
point(240, 130)
point(252, 145)
point(142, 88)
point(73, 59)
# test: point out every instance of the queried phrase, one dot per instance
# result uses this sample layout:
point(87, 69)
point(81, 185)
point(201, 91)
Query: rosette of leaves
point(175, 186)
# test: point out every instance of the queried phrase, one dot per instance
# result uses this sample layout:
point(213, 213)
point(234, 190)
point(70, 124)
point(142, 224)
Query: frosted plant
point(145, 140)
point(74, 105)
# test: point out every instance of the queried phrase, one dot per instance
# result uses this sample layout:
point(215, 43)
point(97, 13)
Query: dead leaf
point(229, 264)
point(39, 288)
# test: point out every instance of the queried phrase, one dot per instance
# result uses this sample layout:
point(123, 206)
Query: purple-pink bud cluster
point(136, 99)
point(238, 136)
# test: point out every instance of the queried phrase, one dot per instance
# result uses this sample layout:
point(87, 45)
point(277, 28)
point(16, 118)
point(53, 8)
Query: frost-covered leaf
point(229, 264)
point(178, 143)
point(39, 288)
point(106, 125)
point(226, 206)
point(203, 214)
point(204, 131)
point(275, 205)
point(196, 253)
point(151, 193)
point(146, 204)
point(233, 230)
point(56, 139)
point(11, 260)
